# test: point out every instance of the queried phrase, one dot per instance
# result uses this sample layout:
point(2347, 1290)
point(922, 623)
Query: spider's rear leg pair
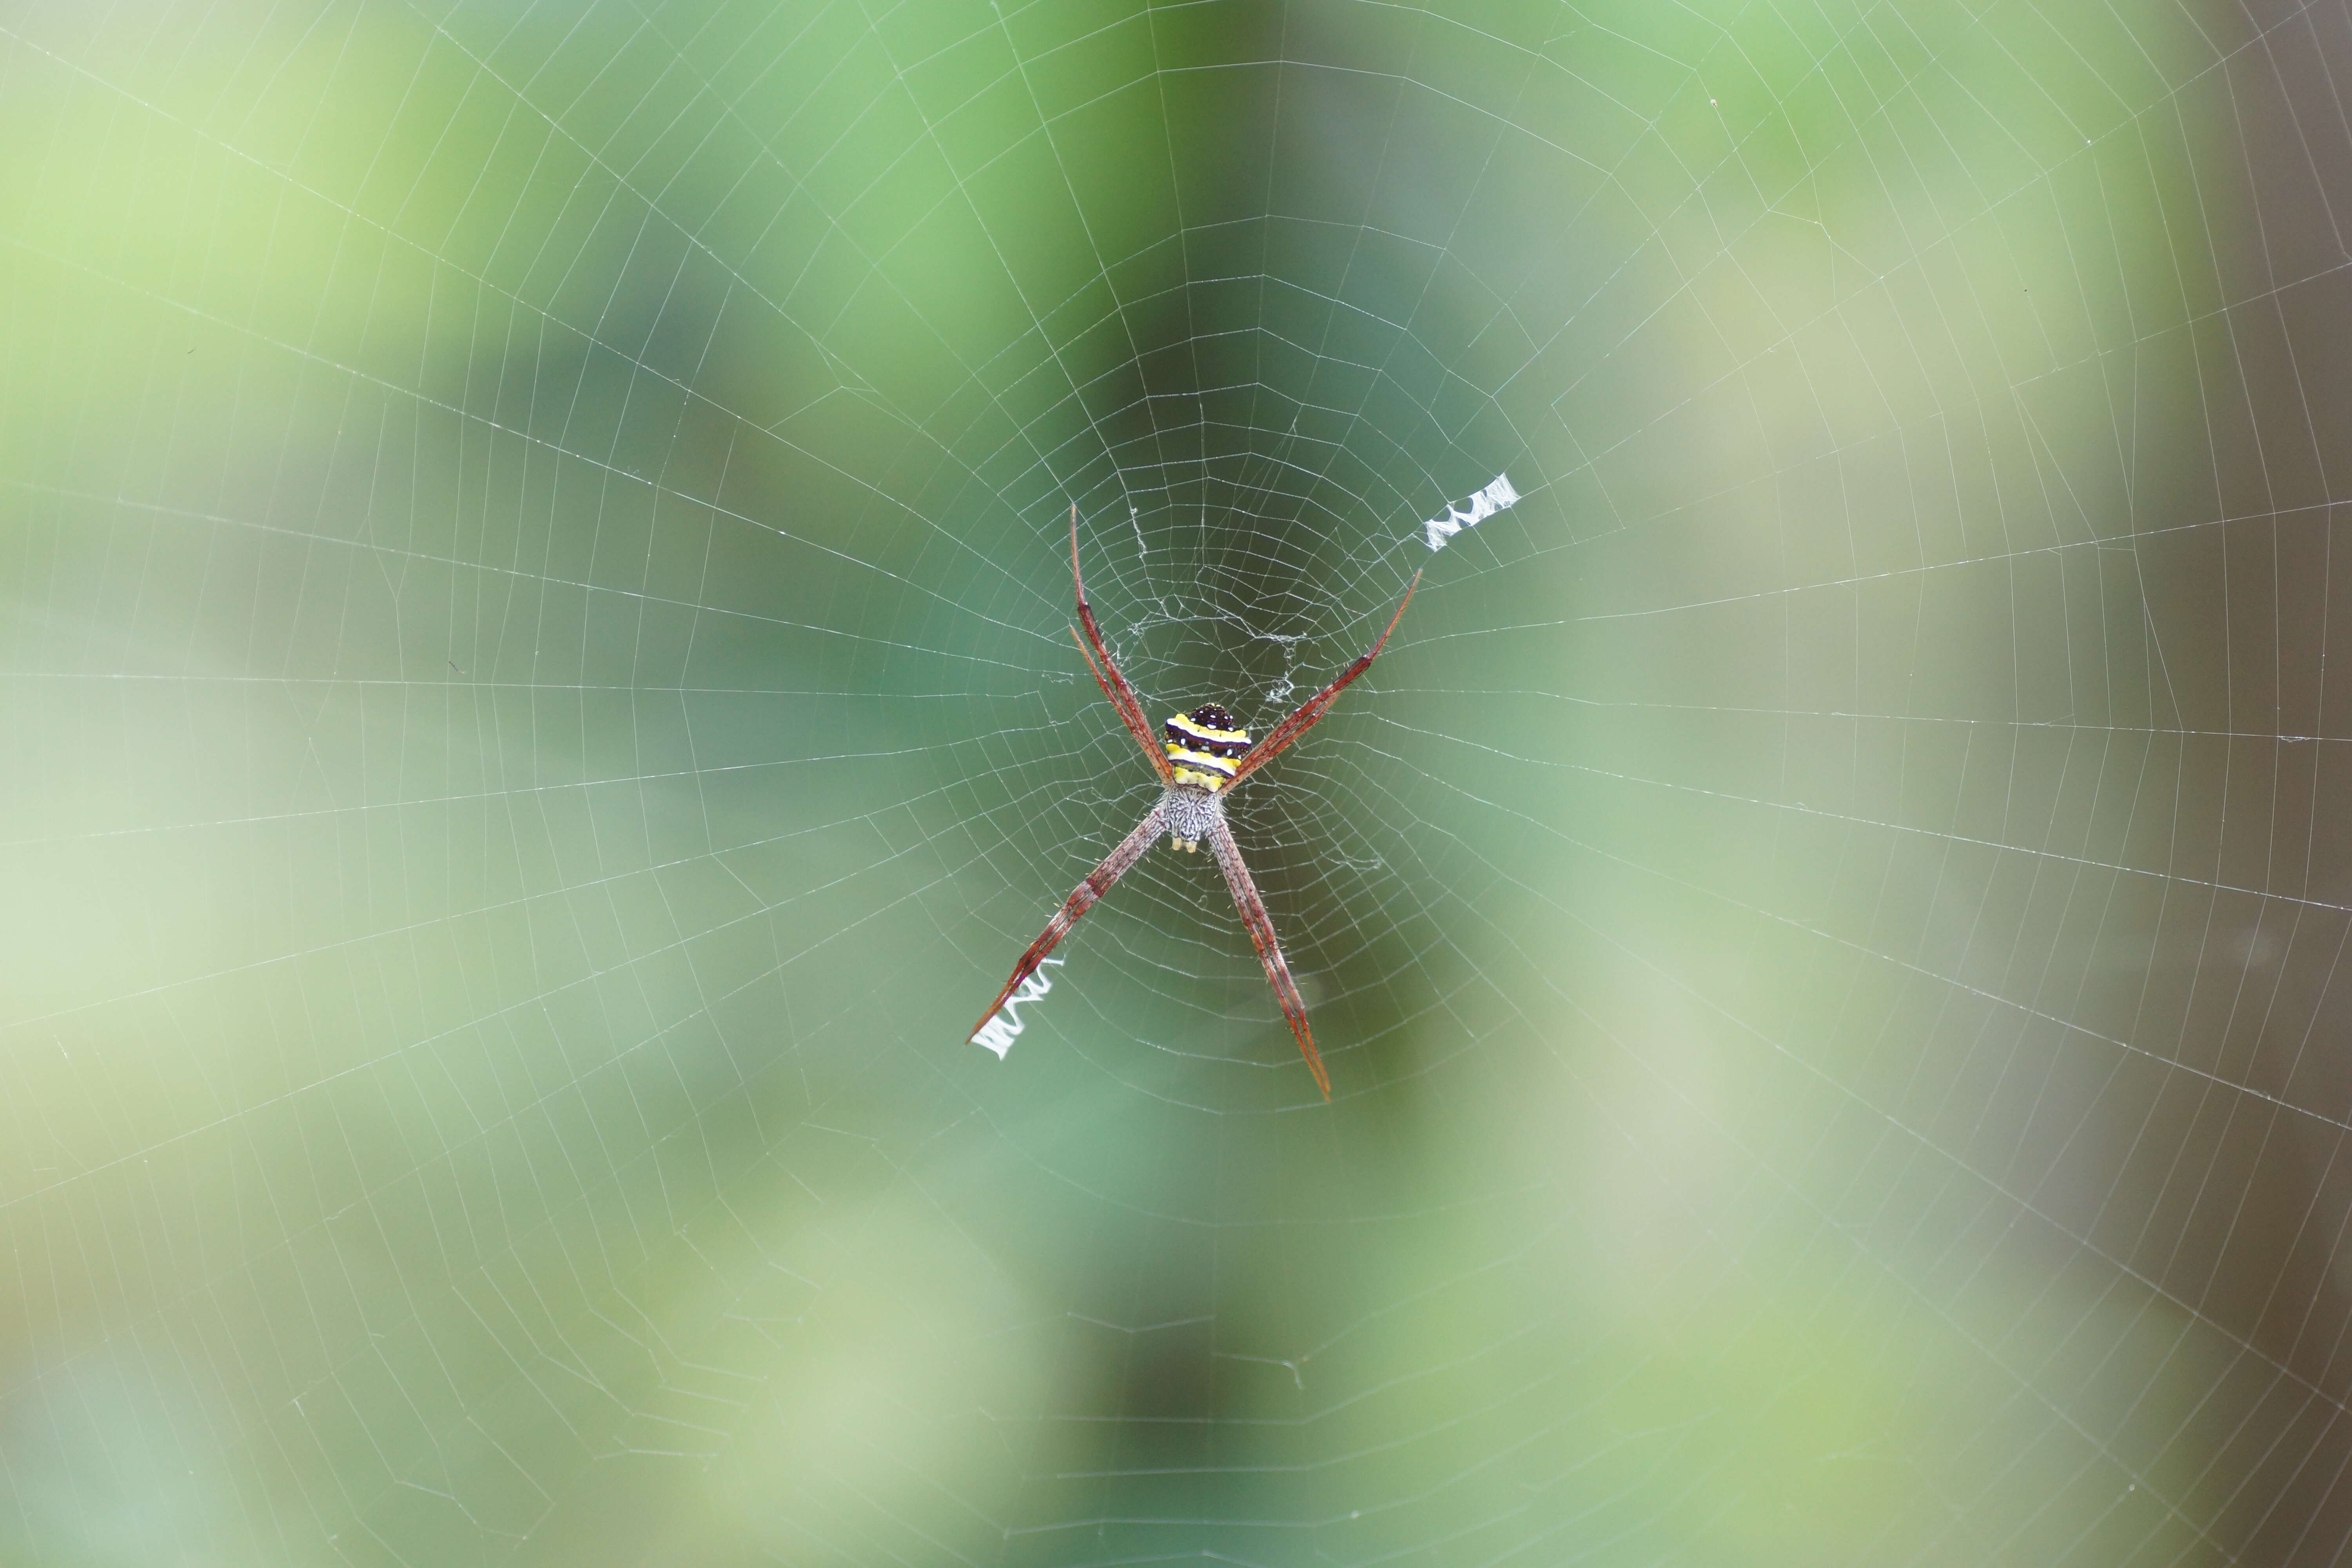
point(1199, 756)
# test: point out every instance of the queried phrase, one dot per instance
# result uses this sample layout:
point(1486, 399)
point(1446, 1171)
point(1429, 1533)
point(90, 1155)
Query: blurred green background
point(538, 705)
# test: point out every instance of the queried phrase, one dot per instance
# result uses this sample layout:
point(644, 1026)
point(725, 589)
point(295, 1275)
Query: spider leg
point(1302, 717)
point(1159, 755)
point(1269, 951)
point(1116, 864)
point(1106, 676)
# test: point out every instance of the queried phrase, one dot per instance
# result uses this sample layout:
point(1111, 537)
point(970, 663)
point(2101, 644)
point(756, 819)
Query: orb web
point(537, 664)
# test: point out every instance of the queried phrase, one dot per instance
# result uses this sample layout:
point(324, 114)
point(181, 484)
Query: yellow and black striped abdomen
point(1206, 745)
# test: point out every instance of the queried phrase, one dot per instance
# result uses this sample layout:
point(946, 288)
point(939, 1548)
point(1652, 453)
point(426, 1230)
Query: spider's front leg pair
point(1199, 756)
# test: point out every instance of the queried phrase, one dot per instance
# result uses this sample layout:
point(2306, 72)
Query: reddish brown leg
point(1116, 864)
point(1279, 738)
point(1106, 676)
point(1269, 951)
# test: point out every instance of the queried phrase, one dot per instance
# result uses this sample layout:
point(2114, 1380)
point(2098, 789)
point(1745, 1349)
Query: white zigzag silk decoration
point(1497, 496)
point(1004, 1026)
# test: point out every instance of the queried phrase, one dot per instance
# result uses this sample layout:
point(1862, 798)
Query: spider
point(1201, 756)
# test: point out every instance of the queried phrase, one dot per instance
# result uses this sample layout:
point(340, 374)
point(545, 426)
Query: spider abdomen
point(1205, 746)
